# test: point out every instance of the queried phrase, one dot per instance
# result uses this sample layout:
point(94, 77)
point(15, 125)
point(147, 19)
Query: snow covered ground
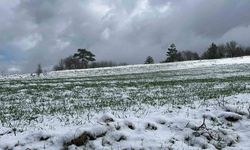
point(184, 105)
point(130, 69)
point(214, 124)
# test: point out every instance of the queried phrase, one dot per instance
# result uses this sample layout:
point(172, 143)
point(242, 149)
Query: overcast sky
point(43, 31)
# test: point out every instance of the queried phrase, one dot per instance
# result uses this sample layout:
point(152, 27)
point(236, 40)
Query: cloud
point(239, 32)
point(13, 70)
point(123, 31)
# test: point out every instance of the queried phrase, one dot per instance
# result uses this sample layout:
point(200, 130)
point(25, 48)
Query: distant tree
point(79, 60)
point(239, 52)
point(73, 63)
point(221, 51)
point(39, 70)
point(230, 48)
point(149, 60)
point(179, 56)
point(247, 51)
point(171, 53)
point(189, 55)
point(122, 64)
point(68, 63)
point(234, 49)
point(60, 66)
point(84, 56)
point(211, 53)
point(102, 64)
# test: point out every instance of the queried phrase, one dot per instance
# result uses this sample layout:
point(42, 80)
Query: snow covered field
point(184, 105)
point(137, 68)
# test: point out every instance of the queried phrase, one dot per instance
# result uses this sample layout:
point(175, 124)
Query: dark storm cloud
point(218, 17)
point(120, 30)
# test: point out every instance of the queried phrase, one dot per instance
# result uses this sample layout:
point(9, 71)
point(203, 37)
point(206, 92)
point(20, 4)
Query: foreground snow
point(211, 124)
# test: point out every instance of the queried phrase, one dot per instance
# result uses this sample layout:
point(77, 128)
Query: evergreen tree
point(211, 53)
point(171, 53)
point(84, 56)
point(149, 60)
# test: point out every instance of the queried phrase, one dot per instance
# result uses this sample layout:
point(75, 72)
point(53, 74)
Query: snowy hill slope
point(131, 69)
point(184, 105)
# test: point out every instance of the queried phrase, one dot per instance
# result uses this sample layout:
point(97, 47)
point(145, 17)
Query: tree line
point(227, 50)
point(83, 58)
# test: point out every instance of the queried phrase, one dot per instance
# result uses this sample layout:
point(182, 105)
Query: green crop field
point(24, 101)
